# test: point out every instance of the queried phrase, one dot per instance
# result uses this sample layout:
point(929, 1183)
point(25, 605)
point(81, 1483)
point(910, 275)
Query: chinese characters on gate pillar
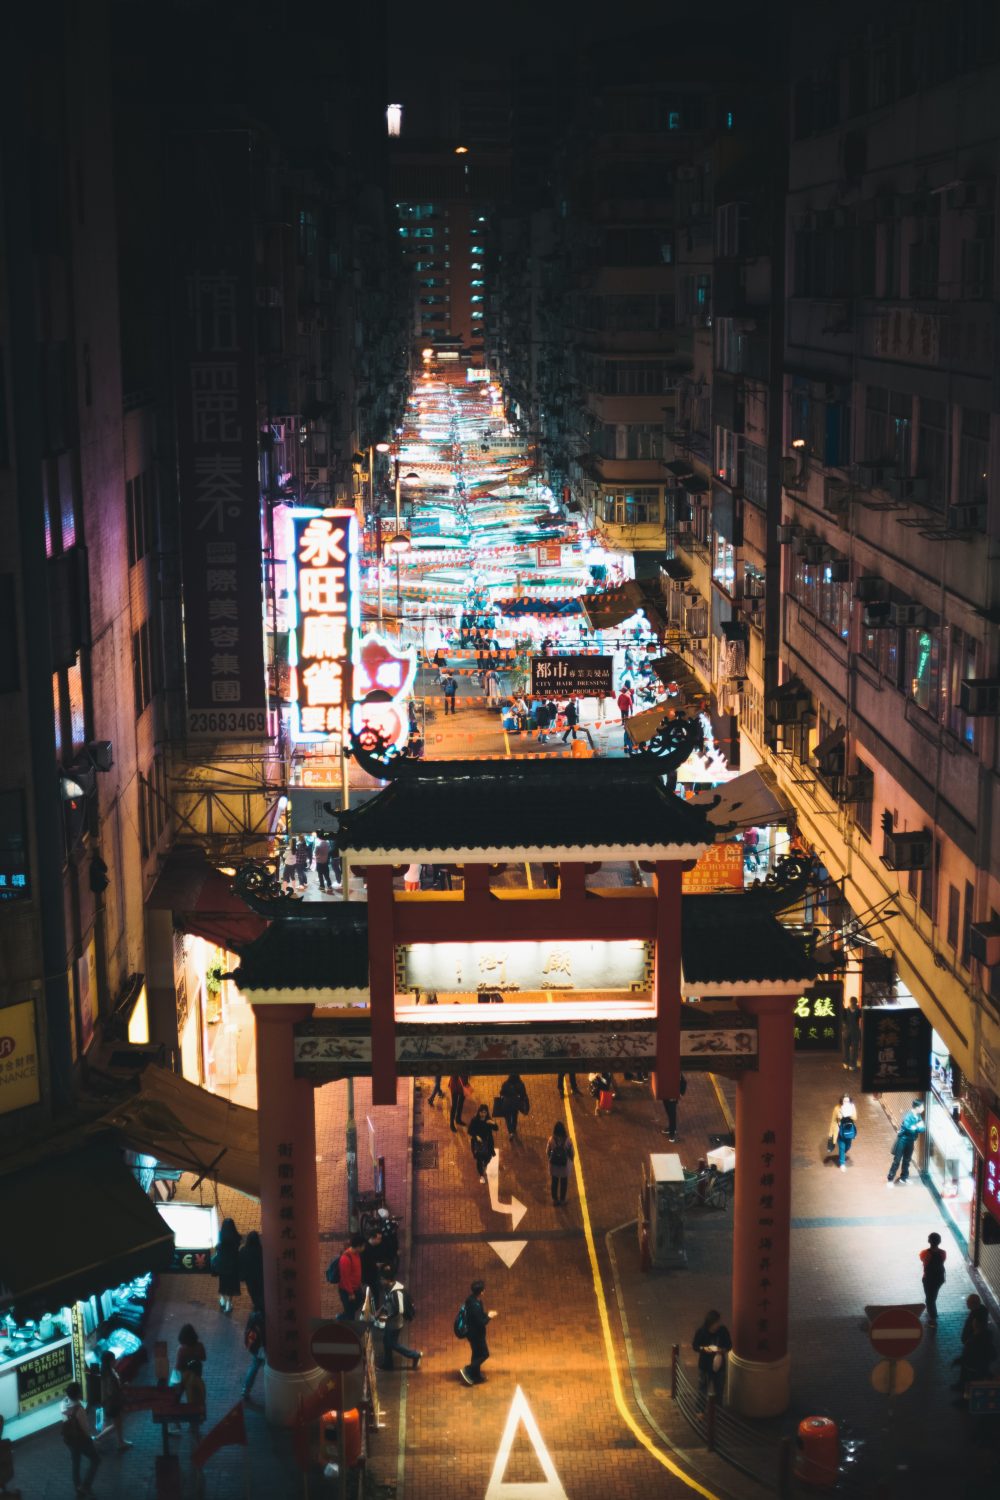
point(326, 606)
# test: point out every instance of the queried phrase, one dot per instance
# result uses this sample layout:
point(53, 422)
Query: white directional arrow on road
point(515, 1207)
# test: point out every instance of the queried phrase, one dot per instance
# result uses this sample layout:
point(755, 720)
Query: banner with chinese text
point(326, 601)
point(213, 316)
point(817, 1018)
point(895, 1050)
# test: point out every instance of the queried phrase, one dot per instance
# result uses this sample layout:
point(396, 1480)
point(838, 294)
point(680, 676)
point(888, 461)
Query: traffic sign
point(336, 1348)
point(895, 1333)
point(984, 1397)
point(891, 1377)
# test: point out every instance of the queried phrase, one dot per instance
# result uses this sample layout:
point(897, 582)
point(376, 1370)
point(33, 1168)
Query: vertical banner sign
point(817, 1017)
point(213, 315)
point(19, 1080)
point(326, 600)
point(991, 1165)
point(895, 1050)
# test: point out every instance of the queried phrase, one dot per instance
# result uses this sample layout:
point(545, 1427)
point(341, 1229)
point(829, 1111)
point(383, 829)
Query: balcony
point(628, 536)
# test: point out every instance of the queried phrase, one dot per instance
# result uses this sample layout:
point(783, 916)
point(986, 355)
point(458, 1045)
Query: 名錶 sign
point(213, 319)
point(895, 1050)
point(572, 676)
point(325, 600)
point(817, 1017)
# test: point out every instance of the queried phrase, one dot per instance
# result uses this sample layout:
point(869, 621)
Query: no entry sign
point(336, 1348)
point(895, 1333)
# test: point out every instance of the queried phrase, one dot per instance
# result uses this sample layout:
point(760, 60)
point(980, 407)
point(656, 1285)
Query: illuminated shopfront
point(951, 1156)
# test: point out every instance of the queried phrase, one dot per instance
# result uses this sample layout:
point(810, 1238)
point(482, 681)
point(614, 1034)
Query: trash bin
point(352, 1435)
point(819, 1452)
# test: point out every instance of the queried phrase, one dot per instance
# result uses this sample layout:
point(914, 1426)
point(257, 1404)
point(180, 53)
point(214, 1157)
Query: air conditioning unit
point(979, 697)
point(966, 517)
point(963, 195)
point(836, 496)
point(907, 615)
point(815, 551)
point(839, 569)
point(875, 616)
point(905, 851)
point(858, 788)
point(874, 476)
point(787, 532)
point(316, 475)
point(871, 589)
point(984, 942)
point(789, 708)
point(907, 487)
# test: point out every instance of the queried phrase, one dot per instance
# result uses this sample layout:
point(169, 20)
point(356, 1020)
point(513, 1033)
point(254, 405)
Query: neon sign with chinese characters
point(326, 600)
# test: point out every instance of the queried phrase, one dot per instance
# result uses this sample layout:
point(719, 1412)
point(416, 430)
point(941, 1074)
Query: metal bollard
point(710, 1422)
point(675, 1359)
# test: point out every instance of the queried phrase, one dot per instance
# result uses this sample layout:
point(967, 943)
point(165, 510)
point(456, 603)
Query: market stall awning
point(751, 800)
point(203, 901)
point(543, 608)
point(187, 1127)
point(74, 1224)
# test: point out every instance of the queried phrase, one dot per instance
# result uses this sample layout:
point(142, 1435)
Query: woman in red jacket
point(349, 1282)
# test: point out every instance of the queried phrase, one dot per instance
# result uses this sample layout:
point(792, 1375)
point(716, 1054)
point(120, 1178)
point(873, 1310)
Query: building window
point(974, 457)
point(10, 671)
point(632, 441)
point(965, 957)
point(932, 462)
point(755, 473)
point(731, 229)
point(864, 806)
point(631, 507)
point(142, 669)
point(925, 253)
point(728, 456)
point(954, 905)
point(964, 662)
point(724, 563)
point(140, 516)
point(923, 667)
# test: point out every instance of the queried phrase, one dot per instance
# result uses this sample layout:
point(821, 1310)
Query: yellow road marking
point(723, 1105)
point(609, 1348)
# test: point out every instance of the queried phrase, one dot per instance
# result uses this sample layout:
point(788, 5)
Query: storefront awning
point(748, 801)
point(203, 901)
point(75, 1224)
point(187, 1127)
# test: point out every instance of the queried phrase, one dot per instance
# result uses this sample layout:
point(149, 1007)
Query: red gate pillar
point(382, 982)
point(286, 1125)
point(759, 1363)
point(667, 977)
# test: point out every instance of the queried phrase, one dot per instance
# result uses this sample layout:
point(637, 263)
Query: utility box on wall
point(665, 1195)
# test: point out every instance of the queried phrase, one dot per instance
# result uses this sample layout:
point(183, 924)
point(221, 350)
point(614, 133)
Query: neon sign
point(383, 677)
point(326, 599)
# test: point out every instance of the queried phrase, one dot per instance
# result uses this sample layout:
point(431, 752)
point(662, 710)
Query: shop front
point(951, 1155)
point(64, 1302)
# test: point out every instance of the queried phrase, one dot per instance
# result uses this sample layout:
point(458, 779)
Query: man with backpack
point(912, 1126)
point(348, 1279)
point(397, 1310)
point(471, 1323)
point(933, 1259)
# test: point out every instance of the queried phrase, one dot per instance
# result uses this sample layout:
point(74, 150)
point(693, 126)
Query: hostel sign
point(326, 600)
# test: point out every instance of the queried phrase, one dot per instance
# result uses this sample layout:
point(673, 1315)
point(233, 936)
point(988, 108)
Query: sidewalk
point(42, 1463)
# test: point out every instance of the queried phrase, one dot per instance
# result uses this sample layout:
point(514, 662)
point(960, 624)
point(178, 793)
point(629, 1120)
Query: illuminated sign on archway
point(383, 678)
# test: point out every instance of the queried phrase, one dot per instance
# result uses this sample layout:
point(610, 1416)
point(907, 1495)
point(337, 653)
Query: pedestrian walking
point(253, 1341)
point(513, 1101)
point(711, 1343)
point(978, 1350)
point(543, 718)
point(481, 1132)
point(303, 857)
point(571, 714)
point(194, 1395)
point(491, 684)
point(626, 704)
point(373, 1258)
point(288, 865)
point(112, 1402)
point(477, 1320)
point(350, 1282)
point(932, 1259)
point(437, 1092)
point(572, 1083)
point(559, 1150)
point(322, 851)
point(77, 1436)
point(411, 878)
point(251, 1268)
point(843, 1129)
point(851, 1033)
point(459, 1086)
point(449, 687)
point(189, 1347)
point(226, 1264)
point(670, 1109)
point(395, 1311)
point(906, 1138)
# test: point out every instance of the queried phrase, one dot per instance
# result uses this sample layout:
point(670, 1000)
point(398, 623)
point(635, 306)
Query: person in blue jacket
point(912, 1127)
